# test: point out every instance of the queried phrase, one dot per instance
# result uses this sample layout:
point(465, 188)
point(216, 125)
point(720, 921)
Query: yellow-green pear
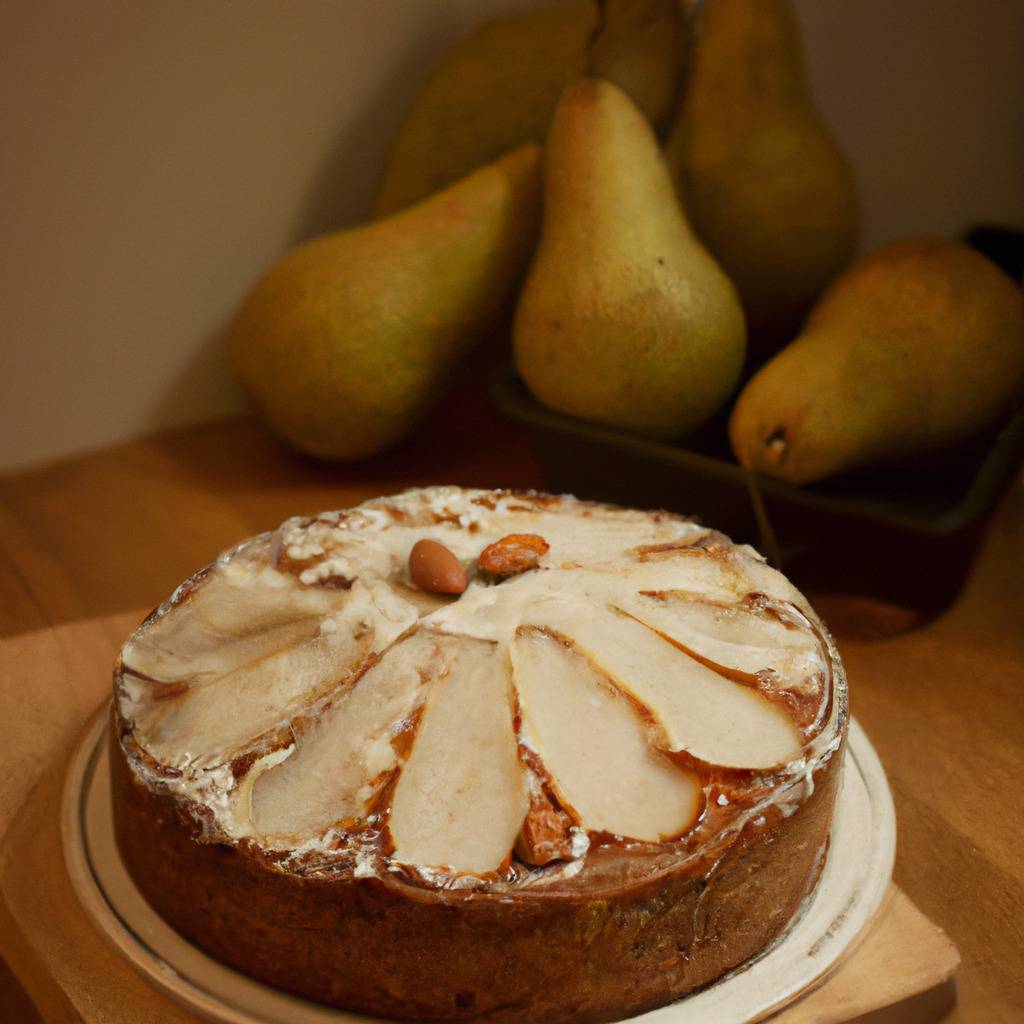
point(912, 350)
point(765, 184)
point(497, 87)
point(345, 343)
point(624, 318)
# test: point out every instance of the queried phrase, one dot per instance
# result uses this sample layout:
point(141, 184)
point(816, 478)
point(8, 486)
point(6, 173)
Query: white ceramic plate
point(850, 891)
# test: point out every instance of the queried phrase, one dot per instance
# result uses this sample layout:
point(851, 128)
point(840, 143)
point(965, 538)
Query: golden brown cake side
point(383, 947)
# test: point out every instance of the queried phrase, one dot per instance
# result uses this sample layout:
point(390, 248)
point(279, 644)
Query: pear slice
point(734, 639)
point(233, 616)
point(595, 746)
point(332, 772)
point(184, 651)
point(711, 717)
point(710, 575)
point(461, 797)
point(209, 722)
point(596, 536)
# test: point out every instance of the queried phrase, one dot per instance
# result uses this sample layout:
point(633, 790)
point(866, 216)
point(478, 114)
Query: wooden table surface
point(943, 701)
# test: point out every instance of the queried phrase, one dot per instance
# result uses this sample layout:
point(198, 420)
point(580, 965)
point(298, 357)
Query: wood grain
point(943, 703)
point(901, 973)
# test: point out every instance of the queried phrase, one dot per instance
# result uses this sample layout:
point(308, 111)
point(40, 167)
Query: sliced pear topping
point(700, 711)
point(461, 797)
point(494, 612)
point(595, 746)
point(235, 615)
point(338, 761)
point(188, 653)
point(692, 568)
point(761, 578)
point(306, 681)
point(590, 535)
point(735, 638)
point(207, 723)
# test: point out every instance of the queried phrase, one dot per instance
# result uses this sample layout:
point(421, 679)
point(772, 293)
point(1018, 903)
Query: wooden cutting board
point(50, 683)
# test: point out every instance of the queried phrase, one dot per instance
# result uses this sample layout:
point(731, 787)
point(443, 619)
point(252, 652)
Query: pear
point(624, 318)
point(497, 87)
point(912, 350)
point(765, 184)
point(346, 341)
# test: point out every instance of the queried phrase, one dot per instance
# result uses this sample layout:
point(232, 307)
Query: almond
point(516, 553)
point(433, 567)
point(544, 835)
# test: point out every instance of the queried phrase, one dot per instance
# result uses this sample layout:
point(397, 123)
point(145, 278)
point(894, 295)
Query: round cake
point(461, 753)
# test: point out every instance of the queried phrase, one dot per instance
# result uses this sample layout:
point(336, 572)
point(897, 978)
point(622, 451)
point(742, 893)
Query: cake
point(461, 753)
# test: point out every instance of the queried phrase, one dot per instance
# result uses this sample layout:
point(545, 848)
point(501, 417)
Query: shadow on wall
point(206, 377)
point(336, 197)
point(338, 194)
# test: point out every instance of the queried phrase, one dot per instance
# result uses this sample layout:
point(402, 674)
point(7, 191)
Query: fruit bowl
point(904, 534)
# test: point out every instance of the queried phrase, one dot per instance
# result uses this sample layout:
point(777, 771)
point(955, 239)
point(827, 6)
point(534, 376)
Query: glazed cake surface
point(597, 778)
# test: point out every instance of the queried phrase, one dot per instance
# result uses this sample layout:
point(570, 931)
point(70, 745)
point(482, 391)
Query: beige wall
point(927, 97)
point(156, 156)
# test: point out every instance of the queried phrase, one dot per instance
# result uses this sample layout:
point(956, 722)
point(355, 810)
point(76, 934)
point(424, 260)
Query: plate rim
point(188, 992)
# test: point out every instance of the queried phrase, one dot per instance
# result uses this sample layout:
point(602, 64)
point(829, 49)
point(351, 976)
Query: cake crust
point(383, 947)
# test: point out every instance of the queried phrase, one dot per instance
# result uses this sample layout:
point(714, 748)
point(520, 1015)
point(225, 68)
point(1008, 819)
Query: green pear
point(497, 87)
point(624, 318)
point(915, 348)
point(765, 185)
point(345, 343)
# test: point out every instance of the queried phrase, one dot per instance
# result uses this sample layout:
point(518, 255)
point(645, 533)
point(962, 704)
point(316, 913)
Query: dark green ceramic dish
point(906, 534)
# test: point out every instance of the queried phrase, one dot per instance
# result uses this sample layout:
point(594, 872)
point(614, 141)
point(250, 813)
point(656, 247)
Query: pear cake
point(459, 753)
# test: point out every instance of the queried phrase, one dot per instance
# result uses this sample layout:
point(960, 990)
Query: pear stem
point(768, 543)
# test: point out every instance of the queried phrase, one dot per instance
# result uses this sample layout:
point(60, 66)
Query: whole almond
point(516, 553)
point(544, 836)
point(433, 567)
